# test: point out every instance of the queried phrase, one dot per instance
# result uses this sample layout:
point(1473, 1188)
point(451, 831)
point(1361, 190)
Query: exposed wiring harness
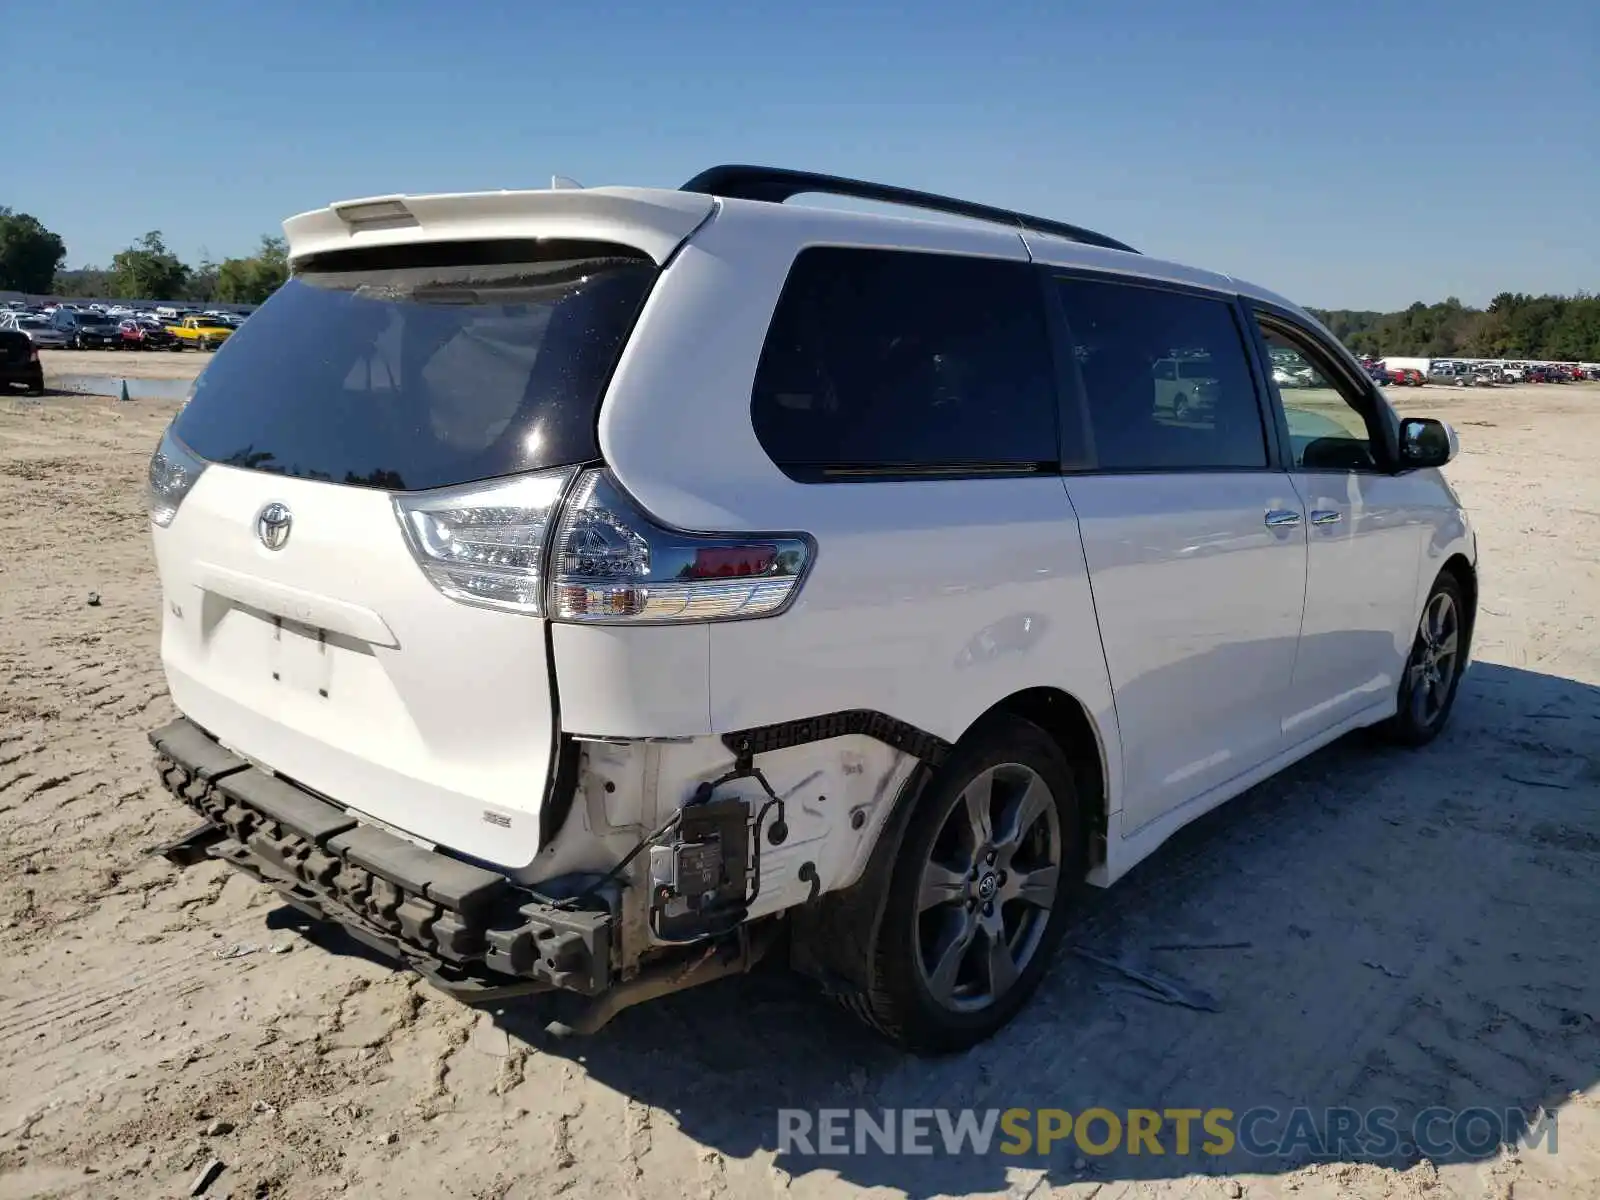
point(622, 865)
point(743, 768)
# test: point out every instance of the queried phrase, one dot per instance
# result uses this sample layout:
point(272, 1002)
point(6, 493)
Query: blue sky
point(1362, 153)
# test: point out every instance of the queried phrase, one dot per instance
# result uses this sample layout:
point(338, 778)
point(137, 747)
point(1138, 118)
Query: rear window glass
point(1166, 378)
point(449, 365)
point(882, 362)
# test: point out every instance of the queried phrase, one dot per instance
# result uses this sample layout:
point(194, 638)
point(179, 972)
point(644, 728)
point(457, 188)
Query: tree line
point(1514, 326)
point(31, 258)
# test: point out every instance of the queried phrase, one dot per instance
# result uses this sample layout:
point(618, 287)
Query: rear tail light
point(595, 558)
point(611, 564)
point(173, 471)
point(485, 544)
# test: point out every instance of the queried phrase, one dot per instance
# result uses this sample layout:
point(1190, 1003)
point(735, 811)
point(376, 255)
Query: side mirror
point(1425, 442)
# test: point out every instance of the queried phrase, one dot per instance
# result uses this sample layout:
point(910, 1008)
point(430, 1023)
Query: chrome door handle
point(1282, 518)
point(1326, 516)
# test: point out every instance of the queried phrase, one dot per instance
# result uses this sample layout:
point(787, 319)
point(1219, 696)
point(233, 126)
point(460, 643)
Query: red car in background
point(1406, 377)
point(147, 335)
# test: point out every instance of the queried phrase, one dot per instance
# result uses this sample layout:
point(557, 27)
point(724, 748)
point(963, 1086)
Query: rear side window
point(422, 367)
point(1166, 378)
point(883, 363)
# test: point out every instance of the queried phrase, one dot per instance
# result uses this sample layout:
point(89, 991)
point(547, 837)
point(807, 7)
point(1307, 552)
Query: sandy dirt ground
point(1421, 930)
point(126, 364)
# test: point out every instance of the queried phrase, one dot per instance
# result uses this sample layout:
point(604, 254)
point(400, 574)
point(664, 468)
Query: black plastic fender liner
point(834, 937)
point(857, 722)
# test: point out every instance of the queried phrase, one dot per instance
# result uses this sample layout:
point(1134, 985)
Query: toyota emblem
point(272, 525)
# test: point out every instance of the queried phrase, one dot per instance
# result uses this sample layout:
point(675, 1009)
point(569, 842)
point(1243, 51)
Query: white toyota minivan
point(591, 591)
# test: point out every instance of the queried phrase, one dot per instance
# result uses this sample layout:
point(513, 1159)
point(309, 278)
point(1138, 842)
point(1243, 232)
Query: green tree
point(1515, 326)
point(251, 280)
point(147, 270)
point(82, 283)
point(202, 285)
point(29, 253)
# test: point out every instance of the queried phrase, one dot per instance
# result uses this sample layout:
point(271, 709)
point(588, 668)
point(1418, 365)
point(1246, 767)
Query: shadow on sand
point(1420, 934)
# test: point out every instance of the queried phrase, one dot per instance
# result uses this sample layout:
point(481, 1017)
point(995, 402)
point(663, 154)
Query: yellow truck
point(200, 332)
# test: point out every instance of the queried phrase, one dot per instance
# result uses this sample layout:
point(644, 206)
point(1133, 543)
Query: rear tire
point(979, 892)
point(1433, 671)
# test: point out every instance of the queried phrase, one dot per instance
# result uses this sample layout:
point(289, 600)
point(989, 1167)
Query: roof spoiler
point(652, 220)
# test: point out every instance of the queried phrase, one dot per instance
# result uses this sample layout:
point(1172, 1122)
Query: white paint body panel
point(1199, 605)
point(1361, 581)
point(930, 601)
point(416, 729)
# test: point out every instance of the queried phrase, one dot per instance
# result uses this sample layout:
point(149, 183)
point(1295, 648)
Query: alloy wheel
point(988, 887)
point(1433, 660)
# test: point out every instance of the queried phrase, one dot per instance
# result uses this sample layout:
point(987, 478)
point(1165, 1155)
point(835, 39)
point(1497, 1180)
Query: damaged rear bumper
point(470, 931)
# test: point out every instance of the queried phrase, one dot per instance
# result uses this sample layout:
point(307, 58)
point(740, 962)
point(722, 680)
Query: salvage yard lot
point(1420, 928)
point(130, 364)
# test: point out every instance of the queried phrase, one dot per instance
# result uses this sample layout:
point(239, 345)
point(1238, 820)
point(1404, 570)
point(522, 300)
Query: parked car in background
point(1378, 373)
point(1185, 385)
point(1487, 375)
point(37, 328)
point(1449, 374)
point(19, 362)
point(87, 330)
point(202, 333)
point(1406, 377)
point(147, 335)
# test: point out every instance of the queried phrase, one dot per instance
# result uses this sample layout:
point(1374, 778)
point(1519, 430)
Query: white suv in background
point(573, 591)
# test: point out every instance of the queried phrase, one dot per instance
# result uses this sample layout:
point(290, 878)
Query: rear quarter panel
point(929, 601)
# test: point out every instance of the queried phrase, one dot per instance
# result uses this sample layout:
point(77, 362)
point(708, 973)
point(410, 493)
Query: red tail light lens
point(613, 564)
point(732, 562)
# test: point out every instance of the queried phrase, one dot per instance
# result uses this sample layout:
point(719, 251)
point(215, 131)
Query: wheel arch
point(1466, 575)
point(1072, 727)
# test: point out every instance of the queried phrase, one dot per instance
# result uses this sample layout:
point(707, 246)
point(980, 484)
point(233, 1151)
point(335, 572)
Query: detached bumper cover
point(470, 930)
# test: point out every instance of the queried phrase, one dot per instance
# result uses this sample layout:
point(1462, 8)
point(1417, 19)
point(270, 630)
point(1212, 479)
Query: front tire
point(1433, 671)
point(979, 892)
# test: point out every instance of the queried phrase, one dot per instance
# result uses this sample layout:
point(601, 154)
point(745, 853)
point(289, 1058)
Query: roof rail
point(777, 184)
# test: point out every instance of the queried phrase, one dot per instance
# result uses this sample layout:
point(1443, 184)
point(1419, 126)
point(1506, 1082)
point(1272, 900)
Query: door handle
point(1282, 518)
point(1326, 516)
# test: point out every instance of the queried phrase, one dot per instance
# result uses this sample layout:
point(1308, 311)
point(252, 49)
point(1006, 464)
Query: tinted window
point(422, 371)
point(1166, 378)
point(892, 362)
point(1327, 429)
